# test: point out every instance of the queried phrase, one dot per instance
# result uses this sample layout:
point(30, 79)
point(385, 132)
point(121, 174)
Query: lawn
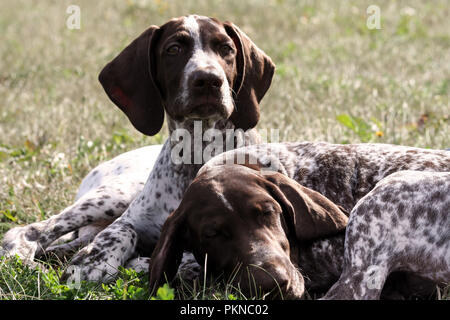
point(336, 81)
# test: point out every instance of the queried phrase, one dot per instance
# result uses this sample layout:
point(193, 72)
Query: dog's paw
point(91, 264)
point(189, 269)
point(140, 264)
point(21, 242)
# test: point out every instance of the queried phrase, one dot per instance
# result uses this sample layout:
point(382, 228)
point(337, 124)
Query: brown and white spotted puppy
point(227, 207)
point(248, 227)
point(402, 224)
point(195, 70)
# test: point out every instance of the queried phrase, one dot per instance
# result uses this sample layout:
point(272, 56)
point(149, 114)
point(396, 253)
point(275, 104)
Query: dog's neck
point(196, 141)
point(321, 262)
point(193, 126)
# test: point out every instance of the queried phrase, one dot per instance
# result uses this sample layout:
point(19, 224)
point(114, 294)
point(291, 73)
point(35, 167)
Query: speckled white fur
point(402, 224)
point(109, 187)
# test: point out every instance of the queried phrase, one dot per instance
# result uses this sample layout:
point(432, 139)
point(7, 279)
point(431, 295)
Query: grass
point(336, 80)
point(20, 281)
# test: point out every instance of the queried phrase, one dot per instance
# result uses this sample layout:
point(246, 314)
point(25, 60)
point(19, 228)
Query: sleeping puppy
point(256, 230)
point(228, 194)
point(268, 234)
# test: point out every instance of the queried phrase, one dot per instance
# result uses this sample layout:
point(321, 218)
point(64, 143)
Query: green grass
point(335, 81)
point(20, 281)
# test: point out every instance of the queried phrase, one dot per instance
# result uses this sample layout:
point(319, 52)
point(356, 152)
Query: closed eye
point(225, 50)
point(267, 208)
point(213, 233)
point(210, 233)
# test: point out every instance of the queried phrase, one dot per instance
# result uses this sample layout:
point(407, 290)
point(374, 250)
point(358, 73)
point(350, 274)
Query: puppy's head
point(249, 226)
point(194, 67)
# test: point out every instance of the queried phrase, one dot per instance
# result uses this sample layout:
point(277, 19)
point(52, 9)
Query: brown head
point(243, 219)
point(192, 67)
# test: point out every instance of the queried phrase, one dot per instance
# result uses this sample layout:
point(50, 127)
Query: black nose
point(201, 80)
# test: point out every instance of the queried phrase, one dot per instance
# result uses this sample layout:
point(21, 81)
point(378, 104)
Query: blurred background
point(336, 80)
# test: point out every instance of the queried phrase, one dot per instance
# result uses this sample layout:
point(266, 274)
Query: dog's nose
point(203, 79)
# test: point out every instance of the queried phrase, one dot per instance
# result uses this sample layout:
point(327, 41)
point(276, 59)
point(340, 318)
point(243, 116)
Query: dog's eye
point(267, 209)
point(225, 50)
point(210, 233)
point(173, 50)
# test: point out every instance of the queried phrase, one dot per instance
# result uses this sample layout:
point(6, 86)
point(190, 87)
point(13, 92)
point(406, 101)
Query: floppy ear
point(129, 82)
point(311, 215)
point(254, 75)
point(167, 255)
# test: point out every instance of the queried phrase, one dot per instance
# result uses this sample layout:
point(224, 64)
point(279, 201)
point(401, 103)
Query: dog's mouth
point(269, 286)
point(210, 110)
point(293, 291)
point(206, 110)
point(206, 107)
point(296, 289)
